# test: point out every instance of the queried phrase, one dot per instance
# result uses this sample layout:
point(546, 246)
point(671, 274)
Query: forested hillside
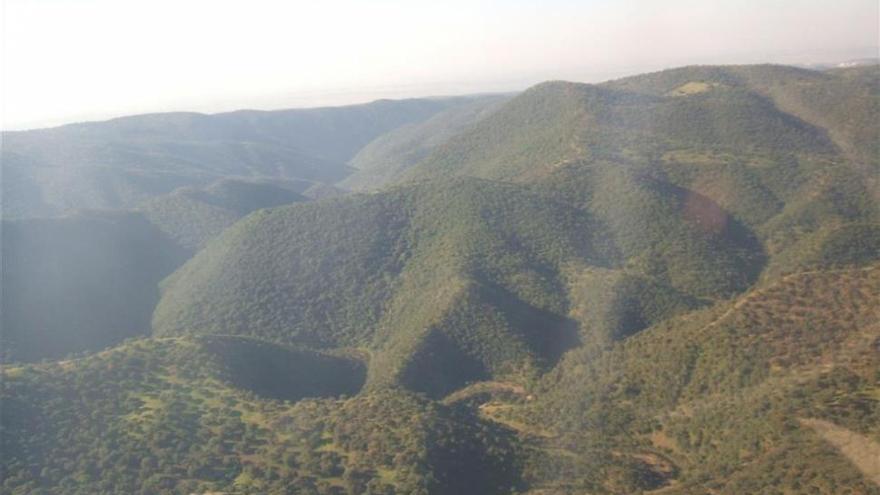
point(122, 162)
point(193, 216)
point(387, 157)
point(668, 283)
point(472, 271)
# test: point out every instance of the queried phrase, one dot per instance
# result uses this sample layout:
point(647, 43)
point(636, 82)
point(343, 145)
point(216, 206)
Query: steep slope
point(679, 237)
point(122, 162)
point(193, 216)
point(277, 372)
point(162, 416)
point(80, 283)
point(447, 281)
point(341, 272)
point(389, 156)
point(844, 102)
point(662, 284)
point(773, 146)
point(712, 399)
point(556, 122)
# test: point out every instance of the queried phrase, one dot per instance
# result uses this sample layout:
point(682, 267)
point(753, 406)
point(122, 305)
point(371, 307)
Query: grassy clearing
point(494, 411)
point(692, 88)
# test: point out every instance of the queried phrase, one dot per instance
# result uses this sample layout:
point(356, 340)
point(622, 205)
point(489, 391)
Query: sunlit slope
point(843, 102)
point(722, 399)
point(173, 416)
point(555, 122)
point(797, 198)
point(663, 284)
point(476, 268)
point(718, 393)
point(80, 283)
point(786, 152)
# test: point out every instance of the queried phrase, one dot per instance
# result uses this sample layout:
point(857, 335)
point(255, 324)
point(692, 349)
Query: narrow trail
point(483, 387)
point(863, 452)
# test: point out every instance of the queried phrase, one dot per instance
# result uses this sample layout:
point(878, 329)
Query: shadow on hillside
point(277, 372)
point(440, 367)
point(703, 214)
point(548, 335)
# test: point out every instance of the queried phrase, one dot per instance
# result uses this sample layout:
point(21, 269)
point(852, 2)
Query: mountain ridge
point(667, 283)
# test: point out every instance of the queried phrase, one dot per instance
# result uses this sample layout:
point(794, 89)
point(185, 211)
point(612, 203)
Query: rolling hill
point(712, 399)
point(465, 270)
point(122, 162)
point(770, 145)
point(166, 418)
point(556, 122)
point(387, 157)
point(193, 216)
point(667, 283)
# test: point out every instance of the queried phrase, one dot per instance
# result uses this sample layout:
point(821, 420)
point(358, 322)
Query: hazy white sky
point(70, 60)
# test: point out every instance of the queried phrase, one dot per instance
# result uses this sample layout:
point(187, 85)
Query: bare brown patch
point(863, 452)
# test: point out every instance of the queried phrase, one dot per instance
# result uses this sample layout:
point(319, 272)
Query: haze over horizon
point(62, 62)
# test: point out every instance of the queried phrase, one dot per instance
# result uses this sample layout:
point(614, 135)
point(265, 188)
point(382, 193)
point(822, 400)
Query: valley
point(666, 283)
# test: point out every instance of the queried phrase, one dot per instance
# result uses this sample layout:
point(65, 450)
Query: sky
point(73, 60)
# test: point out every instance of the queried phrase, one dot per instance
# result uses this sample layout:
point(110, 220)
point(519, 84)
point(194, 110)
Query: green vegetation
point(158, 416)
point(667, 283)
point(718, 392)
point(282, 373)
point(193, 216)
point(389, 156)
point(554, 123)
point(474, 264)
point(448, 281)
point(787, 153)
point(123, 162)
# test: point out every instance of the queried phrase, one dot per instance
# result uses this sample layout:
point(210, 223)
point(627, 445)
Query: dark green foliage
point(447, 272)
point(554, 123)
point(612, 305)
point(854, 244)
point(680, 237)
point(675, 289)
point(315, 273)
point(277, 372)
point(80, 283)
point(844, 103)
point(782, 152)
point(343, 272)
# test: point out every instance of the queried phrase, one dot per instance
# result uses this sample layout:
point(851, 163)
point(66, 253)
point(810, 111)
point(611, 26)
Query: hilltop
point(192, 216)
point(472, 267)
point(122, 162)
point(667, 283)
point(387, 157)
